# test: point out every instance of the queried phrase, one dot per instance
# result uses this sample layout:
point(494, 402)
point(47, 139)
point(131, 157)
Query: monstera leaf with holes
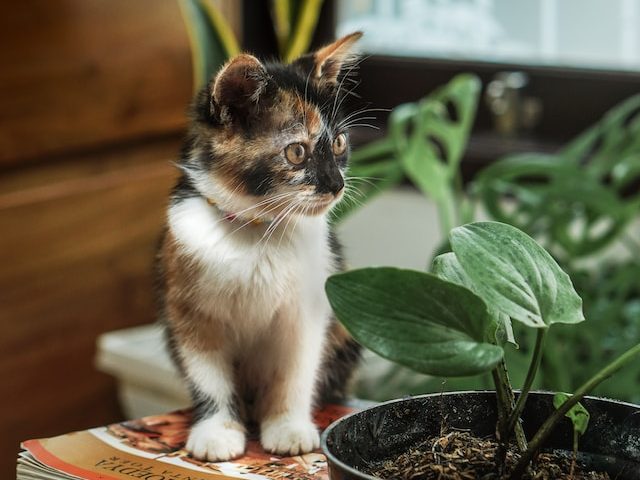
point(425, 142)
point(579, 200)
point(431, 135)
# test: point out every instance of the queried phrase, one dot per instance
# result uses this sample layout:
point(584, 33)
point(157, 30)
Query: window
point(601, 34)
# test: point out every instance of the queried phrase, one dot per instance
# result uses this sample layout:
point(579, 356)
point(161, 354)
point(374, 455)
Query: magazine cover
point(151, 448)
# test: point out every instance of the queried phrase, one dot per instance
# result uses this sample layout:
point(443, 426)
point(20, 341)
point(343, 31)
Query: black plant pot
point(611, 443)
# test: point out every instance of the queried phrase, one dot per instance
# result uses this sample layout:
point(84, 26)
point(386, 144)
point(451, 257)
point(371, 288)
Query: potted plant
point(582, 203)
point(455, 321)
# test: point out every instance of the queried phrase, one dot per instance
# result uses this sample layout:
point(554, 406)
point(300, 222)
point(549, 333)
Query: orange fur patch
point(190, 326)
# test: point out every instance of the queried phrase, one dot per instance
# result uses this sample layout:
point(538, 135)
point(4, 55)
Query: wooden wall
point(92, 95)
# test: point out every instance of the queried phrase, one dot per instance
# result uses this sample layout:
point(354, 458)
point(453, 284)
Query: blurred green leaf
point(431, 136)
point(416, 319)
point(580, 199)
point(295, 38)
point(514, 274)
point(211, 37)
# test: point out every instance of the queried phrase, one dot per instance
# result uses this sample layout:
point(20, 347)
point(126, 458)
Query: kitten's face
point(270, 139)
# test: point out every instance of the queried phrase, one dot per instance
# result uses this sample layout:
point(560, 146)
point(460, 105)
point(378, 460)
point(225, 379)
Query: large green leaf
point(416, 319)
point(515, 275)
point(447, 267)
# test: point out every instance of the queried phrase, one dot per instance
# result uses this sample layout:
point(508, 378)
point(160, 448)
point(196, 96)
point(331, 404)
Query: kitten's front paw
point(216, 441)
point(289, 436)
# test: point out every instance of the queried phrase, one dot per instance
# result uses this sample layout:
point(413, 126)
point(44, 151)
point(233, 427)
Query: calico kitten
point(247, 250)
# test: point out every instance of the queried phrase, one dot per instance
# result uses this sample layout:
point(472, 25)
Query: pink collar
point(232, 217)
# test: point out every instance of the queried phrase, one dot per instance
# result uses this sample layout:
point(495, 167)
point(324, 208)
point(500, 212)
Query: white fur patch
point(289, 435)
point(216, 439)
point(211, 372)
point(246, 280)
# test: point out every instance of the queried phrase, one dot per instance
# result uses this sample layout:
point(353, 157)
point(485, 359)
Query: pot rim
point(333, 459)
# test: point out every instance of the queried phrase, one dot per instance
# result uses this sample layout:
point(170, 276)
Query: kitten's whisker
point(304, 110)
point(261, 203)
point(365, 180)
point(271, 206)
point(336, 105)
point(354, 190)
point(355, 193)
point(293, 214)
point(351, 121)
point(363, 111)
point(353, 200)
point(276, 221)
point(342, 99)
point(274, 225)
point(355, 117)
point(375, 127)
point(295, 125)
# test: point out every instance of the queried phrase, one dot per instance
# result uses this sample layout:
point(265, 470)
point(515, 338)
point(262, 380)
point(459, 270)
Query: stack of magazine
point(151, 448)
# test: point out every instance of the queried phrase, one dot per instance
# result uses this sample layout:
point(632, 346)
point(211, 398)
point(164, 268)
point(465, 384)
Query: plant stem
point(531, 375)
point(502, 403)
point(547, 427)
point(444, 216)
point(505, 406)
point(503, 413)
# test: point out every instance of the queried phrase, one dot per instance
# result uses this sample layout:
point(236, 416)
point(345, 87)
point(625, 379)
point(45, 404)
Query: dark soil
point(459, 455)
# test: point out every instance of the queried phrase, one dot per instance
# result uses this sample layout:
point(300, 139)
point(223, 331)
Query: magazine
point(151, 448)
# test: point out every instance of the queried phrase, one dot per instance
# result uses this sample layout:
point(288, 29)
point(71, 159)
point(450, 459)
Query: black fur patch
point(337, 251)
point(183, 190)
point(258, 180)
point(337, 370)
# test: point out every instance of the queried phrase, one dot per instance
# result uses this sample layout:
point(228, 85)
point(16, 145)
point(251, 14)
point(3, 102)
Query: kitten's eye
point(339, 144)
point(295, 153)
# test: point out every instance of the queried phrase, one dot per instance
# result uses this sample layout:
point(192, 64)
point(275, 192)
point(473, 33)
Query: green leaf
point(515, 275)
point(447, 267)
point(575, 212)
point(415, 319)
point(211, 37)
point(431, 136)
point(578, 415)
point(302, 29)
point(579, 199)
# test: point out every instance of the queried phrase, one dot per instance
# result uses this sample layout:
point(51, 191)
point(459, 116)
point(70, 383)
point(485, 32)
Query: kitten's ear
point(330, 60)
point(238, 86)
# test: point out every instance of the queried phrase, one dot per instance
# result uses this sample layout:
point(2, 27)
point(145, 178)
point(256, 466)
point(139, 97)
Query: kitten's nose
point(333, 184)
point(337, 186)
point(329, 179)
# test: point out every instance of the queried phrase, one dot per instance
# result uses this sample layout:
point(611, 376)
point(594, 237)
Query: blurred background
point(93, 95)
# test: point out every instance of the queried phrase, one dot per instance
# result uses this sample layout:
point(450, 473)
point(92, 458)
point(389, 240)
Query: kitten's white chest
point(242, 280)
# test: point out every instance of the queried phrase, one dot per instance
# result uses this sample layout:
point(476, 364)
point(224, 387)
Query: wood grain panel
point(84, 73)
point(76, 247)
